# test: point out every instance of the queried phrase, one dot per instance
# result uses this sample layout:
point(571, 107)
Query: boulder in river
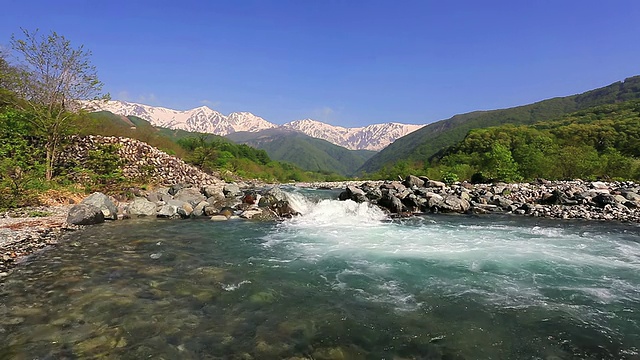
point(104, 203)
point(141, 207)
point(391, 202)
point(353, 193)
point(231, 190)
point(272, 196)
point(190, 195)
point(85, 214)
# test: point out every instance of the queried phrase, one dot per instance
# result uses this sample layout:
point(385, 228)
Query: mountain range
point(205, 120)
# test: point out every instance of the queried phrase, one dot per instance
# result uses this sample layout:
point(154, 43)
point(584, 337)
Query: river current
point(341, 281)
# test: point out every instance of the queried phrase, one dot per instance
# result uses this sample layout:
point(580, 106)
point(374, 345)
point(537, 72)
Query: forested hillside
point(601, 142)
point(424, 143)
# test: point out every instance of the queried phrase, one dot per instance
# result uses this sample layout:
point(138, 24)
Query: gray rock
point(502, 202)
point(85, 214)
point(177, 187)
point(603, 200)
point(412, 202)
point(391, 202)
point(435, 184)
point(620, 199)
point(168, 211)
point(413, 181)
point(355, 194)
point(283, 209)
point(631, 196)
point(449, 203)
point(210, 210)
point(190, 195)
point(141, 207)
point(185, 210)
point(153, 197)
point(213, 191)
point(431, 195)
point(262, 214)
point(272, 196)
point(199, 209)
point(104, 203)
point(374, 194)
point(231, 190)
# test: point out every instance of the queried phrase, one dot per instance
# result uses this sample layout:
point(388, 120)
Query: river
point(341, 281)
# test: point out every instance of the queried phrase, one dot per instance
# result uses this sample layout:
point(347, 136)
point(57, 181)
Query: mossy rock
point(263, 297)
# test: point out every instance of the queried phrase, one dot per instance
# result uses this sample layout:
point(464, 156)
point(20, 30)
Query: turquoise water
point(339, 282)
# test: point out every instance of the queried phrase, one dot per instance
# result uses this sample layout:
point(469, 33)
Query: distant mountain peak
point(206, 120)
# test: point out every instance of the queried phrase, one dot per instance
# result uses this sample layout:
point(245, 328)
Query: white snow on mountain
point(203, 119)
point(371, 137)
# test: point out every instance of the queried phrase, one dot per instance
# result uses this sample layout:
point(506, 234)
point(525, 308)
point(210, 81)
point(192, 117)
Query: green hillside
point(599, 142)
point(421, 145)
point(304, 151)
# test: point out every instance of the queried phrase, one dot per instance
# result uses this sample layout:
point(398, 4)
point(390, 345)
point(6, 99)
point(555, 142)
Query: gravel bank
point(25, 231)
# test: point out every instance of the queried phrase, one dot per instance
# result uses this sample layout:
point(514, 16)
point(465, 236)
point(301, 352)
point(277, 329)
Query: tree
point(500, 164)
point(55, 77)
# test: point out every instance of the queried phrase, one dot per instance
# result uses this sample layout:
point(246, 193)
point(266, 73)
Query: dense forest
point(601, 142)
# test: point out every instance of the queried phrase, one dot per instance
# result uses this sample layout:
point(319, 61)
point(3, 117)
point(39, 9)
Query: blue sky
point(348, 63)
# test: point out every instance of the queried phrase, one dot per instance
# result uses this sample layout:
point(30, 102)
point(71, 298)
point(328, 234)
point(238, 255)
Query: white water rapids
point(506, 261)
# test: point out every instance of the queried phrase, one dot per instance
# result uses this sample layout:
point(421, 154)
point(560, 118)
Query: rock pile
point(187, 201)
point(141, 161)
point(558, 199)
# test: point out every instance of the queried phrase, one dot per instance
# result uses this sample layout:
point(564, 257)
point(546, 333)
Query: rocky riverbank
point(619, 201)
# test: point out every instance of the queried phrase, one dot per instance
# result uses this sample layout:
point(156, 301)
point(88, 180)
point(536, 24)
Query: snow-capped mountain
point(203, 119)
point(371, 137)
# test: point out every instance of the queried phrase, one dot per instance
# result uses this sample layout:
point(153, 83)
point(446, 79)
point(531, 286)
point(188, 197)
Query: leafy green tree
point(616, 165)
point(500, 164)
point(55, 77)
point(19, 158)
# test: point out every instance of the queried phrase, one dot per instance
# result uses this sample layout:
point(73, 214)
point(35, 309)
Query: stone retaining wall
point(141, 161)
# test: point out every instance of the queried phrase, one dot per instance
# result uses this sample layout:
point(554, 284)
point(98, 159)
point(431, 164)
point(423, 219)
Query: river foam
point(505, 261)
